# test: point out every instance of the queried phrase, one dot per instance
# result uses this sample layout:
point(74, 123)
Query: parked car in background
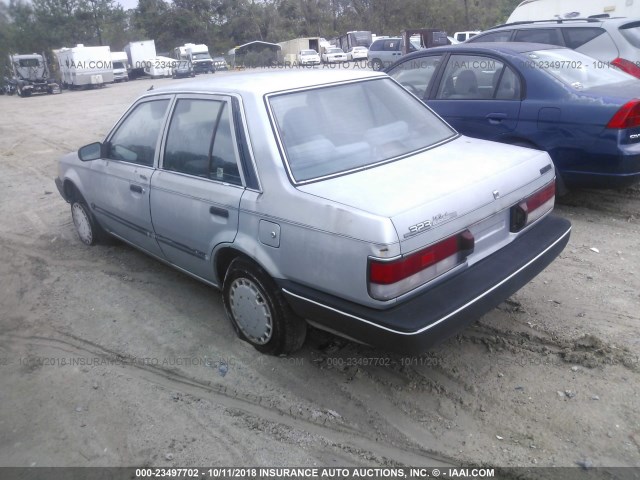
point(357, 53)
point(540, 96)
point(613, 41)
point(182, 69)
point(385, 51)
point(382, 225)
point(220, 64)
point(308, 57)
point(333, 55)
point(464, 36)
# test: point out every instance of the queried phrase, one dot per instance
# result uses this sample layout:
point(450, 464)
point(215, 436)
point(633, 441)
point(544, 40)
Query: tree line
point(41, 25)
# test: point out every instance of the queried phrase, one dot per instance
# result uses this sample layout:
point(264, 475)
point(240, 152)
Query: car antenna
point(150, 88)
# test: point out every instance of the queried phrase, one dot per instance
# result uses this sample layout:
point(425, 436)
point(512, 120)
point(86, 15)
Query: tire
point(88, 230)
point(376, 64)
point(258, 311)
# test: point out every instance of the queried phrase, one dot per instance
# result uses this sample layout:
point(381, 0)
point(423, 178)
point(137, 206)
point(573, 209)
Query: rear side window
point(474, 77)
point(200, 141)
point(576, 37)
point(631, 32)
point(501, 36)
point(391, 45)
point(549, 36)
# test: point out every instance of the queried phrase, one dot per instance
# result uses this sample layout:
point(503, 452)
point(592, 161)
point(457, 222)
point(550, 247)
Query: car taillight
point(627, 66)
point(391, 278)
point(533, 207)
point(627, 117)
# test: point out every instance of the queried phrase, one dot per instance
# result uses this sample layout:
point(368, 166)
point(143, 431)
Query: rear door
point(478, 95)
point(196, 192)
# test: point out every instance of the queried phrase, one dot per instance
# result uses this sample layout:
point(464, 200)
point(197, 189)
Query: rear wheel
point(259, 312)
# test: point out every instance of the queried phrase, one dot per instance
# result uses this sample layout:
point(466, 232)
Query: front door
point(123, 179)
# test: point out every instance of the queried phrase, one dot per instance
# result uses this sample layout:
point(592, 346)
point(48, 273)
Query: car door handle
point(220, 212)
point(496, 118)
point(136, 188)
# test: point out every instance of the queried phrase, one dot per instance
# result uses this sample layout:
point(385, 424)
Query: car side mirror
point(93, 151)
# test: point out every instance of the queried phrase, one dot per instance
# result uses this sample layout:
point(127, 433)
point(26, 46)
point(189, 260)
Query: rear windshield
point(631, 31)
point(29, 62)
point(308, 52)
point(330, 130)
point(576, 70)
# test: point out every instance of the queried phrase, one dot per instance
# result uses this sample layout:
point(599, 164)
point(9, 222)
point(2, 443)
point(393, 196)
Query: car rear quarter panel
point(322, 244)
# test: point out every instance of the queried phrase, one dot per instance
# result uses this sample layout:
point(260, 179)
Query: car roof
point(572, 22)
point(262, 83)
point(512, 48)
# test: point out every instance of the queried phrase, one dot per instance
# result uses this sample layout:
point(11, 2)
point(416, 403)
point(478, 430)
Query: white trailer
point(530, 10)
point(82, 66)
point(140, 54)
point(159, 67)
point(120, 64)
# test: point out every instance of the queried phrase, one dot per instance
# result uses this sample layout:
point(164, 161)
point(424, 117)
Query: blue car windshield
point(575, 69)
point(336, 129)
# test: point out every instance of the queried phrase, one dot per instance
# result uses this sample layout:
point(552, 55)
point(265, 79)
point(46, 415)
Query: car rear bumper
point(432, 316)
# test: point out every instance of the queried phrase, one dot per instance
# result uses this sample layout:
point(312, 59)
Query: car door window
point(136, 137)
point(508, 85)
point(416, 74)
point(200, 141)
point(391, 45)
point(576, 37)
point(501, 36)
point(470, 77)
point(548, 36)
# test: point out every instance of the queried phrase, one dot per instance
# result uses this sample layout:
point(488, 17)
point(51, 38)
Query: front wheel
point(259, 312)
point(376, 64)
point(86, 227)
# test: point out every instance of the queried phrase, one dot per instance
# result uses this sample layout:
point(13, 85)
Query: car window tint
point(508, 85)
point(136, 138)
point(501, 36)
point(470, 77)
point(576, 37)
point(631, 31)
point(376, 46)
point(391, 45)
point(416, 74)
point(340, 128)
point(549, 36)
point(200, 141)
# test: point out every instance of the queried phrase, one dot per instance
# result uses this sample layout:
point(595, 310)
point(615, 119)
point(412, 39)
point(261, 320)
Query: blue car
point(584, 113)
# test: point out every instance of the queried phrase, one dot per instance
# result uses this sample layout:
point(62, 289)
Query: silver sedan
point(328, 198)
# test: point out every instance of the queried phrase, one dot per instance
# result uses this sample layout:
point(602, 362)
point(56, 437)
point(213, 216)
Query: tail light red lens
point(627, 117)
point(533, 207)
point(627, 66)
point(389, 279)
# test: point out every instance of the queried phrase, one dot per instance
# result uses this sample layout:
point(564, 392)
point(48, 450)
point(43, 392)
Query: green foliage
point(42, 25)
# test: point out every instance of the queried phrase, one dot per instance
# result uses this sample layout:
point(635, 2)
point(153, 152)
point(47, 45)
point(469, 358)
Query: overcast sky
point(127, 4)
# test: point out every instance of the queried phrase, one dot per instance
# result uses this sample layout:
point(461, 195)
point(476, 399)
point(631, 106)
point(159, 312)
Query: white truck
point(140, 55)
point(200, 58)
point(159, 67)
point(120, 62)
point(82, 67)
point(530, 10)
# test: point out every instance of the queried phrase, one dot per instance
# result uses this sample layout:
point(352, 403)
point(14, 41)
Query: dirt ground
point(109, 358)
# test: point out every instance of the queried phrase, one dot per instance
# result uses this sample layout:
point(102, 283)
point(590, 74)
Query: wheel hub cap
point(80, 220)
point(250, 310)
